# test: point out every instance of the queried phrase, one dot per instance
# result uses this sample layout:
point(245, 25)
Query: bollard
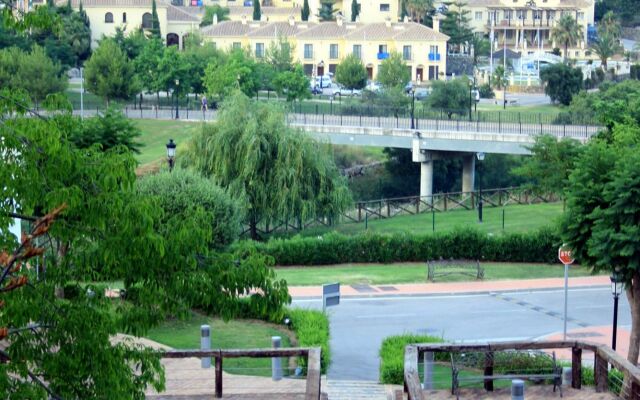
point(567, 376)
point(276, 369)
point(428, 370)
point(517, 389)
point(205, 344)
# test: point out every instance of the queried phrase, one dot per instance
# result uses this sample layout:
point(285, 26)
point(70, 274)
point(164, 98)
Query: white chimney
point(292, 20)
point(436, 23)
point(244, 20)
point(215, 19)
point(406, 19)
point(387, 22)
point(340, 20)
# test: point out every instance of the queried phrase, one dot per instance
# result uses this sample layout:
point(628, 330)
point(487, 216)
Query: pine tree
point(355, 10)
point(257, 14)
point(456, 24)
point(403, 9)
point(155, 21)
point(84, 16)
point(305, 11)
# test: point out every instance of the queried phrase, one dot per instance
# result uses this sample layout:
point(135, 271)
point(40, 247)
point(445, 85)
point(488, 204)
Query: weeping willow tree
point(278, 172)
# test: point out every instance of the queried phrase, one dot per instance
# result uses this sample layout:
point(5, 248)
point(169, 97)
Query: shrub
point(312, 330)
point(392, 356)
point(486, 92)
point(335, 248)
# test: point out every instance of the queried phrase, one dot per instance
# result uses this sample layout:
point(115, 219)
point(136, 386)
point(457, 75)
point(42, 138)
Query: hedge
point(392, 356)
point(312, 330)
point(335, 248)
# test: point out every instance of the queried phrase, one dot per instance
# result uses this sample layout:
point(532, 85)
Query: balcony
point(514, 23)
point(434, 56)
point(383, 55)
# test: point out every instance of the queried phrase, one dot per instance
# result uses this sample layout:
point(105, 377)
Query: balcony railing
point(383, 55)
point(514, 22)
point(434, 56)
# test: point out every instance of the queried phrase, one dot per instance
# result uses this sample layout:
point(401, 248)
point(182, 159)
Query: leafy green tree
point(33, 72)
point(264, 75)
point(155, 22)
point(147, 66)
point(236, 71)
point(481, 48)
point(567, 32)
point(550, 164)
point(610, 25)
point(182, 193)
point(403, 9)
point(605, 47)
point(450, 96)
point(499, 78)
point(305, 12)
point(257, 14)
point(455, 24)
point(611, 105)
point(222, 14)
point(418, 9)
point(351, 73)
point(131, 44)
point(278, 172)
point(175, 72)
point(561, 82)
point(292, 84)
point(326, 11)
point(393, 71)
point(109, 74)
point(77, 35)
point(197, 58)
point(108, 130)
point(355, 10)
point(279, 55)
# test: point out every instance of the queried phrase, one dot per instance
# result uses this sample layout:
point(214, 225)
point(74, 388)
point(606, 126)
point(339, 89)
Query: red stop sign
point(565, 255)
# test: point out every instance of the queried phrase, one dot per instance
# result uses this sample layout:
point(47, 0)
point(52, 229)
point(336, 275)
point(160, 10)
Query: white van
point(323, 81)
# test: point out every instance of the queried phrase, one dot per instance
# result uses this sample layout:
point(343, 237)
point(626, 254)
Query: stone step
point(356, 390)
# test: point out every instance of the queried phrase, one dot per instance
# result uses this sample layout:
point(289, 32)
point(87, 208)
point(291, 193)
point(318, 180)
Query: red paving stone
point(597, 334)
point(456, 287)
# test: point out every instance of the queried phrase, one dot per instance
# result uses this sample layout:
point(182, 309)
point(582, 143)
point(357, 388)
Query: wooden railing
point(604, 356)
point(312, 354)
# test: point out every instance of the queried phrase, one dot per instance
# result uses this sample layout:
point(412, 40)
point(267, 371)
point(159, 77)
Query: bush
point(335, 248)
point(486, 92)
point(615, 378)
point(312, 330)
point(635, 71)
point(181, 192)
point(392, 356)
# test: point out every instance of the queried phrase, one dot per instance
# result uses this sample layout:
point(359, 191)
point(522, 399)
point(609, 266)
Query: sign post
point(566, 257)
point(330, 295)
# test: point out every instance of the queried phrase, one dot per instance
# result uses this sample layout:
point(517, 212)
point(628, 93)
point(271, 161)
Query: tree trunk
point(566, 55)
point(253, 227)
point(633, 295)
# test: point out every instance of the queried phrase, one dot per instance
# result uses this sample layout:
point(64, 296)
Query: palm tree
point(605, 47)
point(567, 32)
point(417, 9)
point(610, 24)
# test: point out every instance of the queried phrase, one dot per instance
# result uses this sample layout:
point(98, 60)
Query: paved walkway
point(417, 289)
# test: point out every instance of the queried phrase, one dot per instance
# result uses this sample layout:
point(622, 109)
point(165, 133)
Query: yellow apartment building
point(320, 46)
point(526, 25)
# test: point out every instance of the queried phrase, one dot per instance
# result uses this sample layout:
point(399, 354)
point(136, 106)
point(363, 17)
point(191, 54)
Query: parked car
point(408, 87)
point(323, 81)
point(421, 93)
point(315, 89)
point(339, 90)
point(373, 86)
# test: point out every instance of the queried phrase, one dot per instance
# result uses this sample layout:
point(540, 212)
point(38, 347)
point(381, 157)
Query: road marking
point(375, 316)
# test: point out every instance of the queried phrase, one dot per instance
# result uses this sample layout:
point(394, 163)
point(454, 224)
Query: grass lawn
point(545, 109)
point(378, 274)
point(236, 334)
point(518, 218)
point(156, 134)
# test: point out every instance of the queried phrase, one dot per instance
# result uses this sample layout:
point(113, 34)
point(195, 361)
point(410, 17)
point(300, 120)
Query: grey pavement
point(358, 326)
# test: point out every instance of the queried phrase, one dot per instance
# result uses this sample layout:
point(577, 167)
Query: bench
point(555, 375)
point(448, 267)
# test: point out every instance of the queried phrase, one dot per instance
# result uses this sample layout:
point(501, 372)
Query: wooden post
point(418, 205)
point(359, 212)
point(601, 373)
point(635, 390)
point(576, 368)
point(488, 371)
point(218, 367)
point(388, 210)
point(313, 388)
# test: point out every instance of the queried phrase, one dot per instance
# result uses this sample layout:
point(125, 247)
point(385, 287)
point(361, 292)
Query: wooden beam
point(218, 382)
point(502, 346)
point(601, 373)
point(313, 388)
point(576, 368)
point(233, 353)
point(488, 371)
point(411, 376)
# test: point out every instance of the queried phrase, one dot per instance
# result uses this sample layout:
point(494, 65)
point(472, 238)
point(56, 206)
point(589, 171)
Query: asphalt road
point(358, 326)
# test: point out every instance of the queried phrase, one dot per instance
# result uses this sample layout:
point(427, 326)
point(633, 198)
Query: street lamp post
point(480, 157)
point(171, 154)
point(470, 99)
point(177, 90)
point(413, 108)
point(616, 289)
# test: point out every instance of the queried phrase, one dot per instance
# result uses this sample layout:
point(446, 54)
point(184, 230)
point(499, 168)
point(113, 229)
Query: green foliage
point(635, 71)
point(276, 171)
point(481, 48)
point(235, 70)
point(393, 101)
point(609, 25)
point(355, 10)
point(155, 22)
point(147, 65)
point(456, 24)
point(351, 73)
point(499, 78)
point(279, 55)
point(612, 104)
point(110, 74)
point(561, 82)
point(326, 11)
point(312, 330)
point(174, 72)
point(418, 9)
point(392, 355)
point(452, 96)
point(567, 32)
point(32, 72)
point(550, 164)
point(131, 44)
point(292, 84)
point(606, 46)
point(108, 130)
point(393, 71)
point(305, 12)
point(486, 92)
point(257, 14)
point(221, 12)
point(333, 248)
point(197, 58)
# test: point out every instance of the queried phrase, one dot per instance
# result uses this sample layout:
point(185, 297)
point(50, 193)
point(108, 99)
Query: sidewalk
point(470, 287)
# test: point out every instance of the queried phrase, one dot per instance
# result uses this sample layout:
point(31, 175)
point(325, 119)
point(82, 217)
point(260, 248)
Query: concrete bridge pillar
point(426, 178)
point(468, 172)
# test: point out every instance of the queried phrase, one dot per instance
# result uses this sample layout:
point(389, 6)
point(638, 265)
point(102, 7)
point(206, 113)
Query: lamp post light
point(616, 289)
point(177, 91)
point(413, 108)
point(171, 154)
point(480, 157)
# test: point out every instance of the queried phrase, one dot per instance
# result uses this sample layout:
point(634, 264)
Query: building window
point(357, 50)
point(497, 16)
point(147, 21)
point(433, 49)
point(333, 51)
point(384, 7)
point(580, 16)
point(577, 53)
point(308, 69)
point(478, 15)
point(537, 14)
point(108, 18)
point(521, 14)
point(508, 14)
point(124, 18)
point(406, 53)
point(382, 48)
point(259, 50)
point(308, 51)
point(509, 34)
point(236, 45)
point(551, 14)
point(332, 68)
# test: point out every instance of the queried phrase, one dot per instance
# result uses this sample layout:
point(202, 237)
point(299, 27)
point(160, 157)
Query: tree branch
point(5, 356)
